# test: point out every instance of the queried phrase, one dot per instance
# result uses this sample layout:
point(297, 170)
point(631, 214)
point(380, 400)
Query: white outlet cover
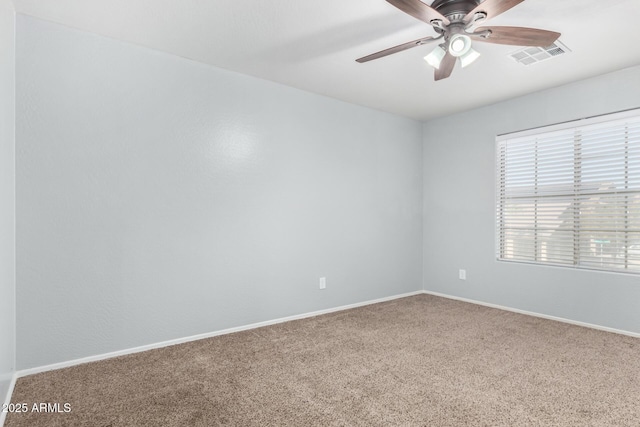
point(323, 282)
point(462, 274)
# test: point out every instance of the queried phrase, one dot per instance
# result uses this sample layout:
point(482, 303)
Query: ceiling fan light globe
point(435, 57)
point(459, 45)
point(469, 57)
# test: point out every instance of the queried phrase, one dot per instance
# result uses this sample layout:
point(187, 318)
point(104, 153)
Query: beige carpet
point(415, 361)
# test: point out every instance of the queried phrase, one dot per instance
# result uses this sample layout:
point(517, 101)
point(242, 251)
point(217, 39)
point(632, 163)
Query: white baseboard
point(7, 399)
point(534, 314)
point(95, 358)
point(67, 364)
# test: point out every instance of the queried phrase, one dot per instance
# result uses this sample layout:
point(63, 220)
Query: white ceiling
point(312, 45)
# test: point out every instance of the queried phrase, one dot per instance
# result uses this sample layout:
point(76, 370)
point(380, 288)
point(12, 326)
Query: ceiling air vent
point(531, 55)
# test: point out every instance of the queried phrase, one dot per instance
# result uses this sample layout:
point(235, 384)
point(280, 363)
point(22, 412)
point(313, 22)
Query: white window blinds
point(570, 194)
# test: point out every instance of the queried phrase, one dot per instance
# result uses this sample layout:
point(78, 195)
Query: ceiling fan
point(457, 22)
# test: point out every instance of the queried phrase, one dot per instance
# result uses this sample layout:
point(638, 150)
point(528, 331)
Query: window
point(569, 194)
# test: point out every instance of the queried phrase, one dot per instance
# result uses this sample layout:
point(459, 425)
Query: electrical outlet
point(323, 283)
point(462, 274)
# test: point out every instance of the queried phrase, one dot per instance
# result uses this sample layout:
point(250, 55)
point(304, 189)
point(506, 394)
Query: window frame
point(499, 170)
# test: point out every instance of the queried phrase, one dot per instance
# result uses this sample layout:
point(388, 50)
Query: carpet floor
point(416, 361)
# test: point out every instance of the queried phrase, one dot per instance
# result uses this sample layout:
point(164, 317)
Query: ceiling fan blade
point(446, 66)
point(492, 8)
point(419, 10)
point(517, 36)
point(395, 49)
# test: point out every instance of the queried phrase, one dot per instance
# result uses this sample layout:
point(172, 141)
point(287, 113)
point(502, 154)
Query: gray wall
point(159, 198)
point(7, 198)
point(459, 209)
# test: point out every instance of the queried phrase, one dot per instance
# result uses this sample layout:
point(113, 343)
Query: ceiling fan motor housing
point(455, 10)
